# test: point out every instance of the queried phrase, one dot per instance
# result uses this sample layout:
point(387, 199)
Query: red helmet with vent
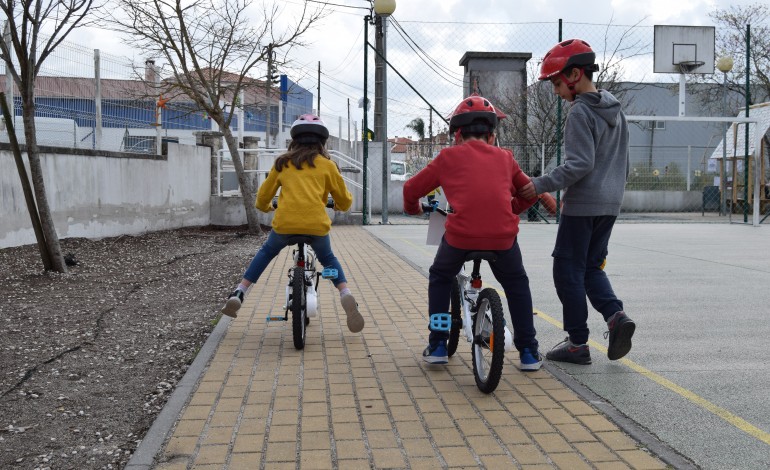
point(567, 54)
point(475, 114)
point(309, 128)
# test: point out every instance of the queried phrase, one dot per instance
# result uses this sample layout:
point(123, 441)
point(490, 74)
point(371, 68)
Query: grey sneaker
point(233, 304)
point(566, 351)
point(621, 329)
point(355, 320)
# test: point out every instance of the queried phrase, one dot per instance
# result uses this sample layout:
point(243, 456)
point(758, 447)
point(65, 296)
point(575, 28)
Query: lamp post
point(383, 9)
point(724, 64)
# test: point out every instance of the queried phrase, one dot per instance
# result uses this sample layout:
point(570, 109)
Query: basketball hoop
point(688, 66)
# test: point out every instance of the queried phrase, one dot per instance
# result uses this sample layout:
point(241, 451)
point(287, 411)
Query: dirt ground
point(89, 358)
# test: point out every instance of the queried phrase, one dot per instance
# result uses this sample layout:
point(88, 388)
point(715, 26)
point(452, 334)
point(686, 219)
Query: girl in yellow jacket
point(306, 176)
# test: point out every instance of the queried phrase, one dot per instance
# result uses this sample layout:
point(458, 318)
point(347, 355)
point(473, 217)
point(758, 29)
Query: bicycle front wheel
point(455, 308)
point(298, 307)
point(488, 340)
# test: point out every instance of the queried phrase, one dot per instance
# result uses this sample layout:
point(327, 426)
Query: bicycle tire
point(455, 308)
point(298, 311)
point(488, 352)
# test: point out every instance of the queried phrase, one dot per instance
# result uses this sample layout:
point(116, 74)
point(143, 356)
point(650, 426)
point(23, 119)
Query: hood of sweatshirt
point(603, 104)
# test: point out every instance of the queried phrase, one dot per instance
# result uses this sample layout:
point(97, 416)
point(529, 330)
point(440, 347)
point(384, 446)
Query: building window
point(658, 125)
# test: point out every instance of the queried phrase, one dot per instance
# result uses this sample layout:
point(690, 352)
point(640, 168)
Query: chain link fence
point(673, 167)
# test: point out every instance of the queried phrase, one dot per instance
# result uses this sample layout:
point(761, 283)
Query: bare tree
point(731, 31)
point(33, 29)
point(211, 50)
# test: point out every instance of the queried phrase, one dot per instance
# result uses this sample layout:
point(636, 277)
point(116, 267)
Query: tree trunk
point(247, 192)
point(33, 154)
point(25, 186)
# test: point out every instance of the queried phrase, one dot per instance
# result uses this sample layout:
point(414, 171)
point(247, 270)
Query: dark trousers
point(578, 258)
point(509, 271)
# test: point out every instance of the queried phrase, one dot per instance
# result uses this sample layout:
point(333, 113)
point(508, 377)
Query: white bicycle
point(302, 288)
point(478, 313)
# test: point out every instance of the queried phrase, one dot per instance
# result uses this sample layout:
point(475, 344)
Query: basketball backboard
point(680, 49)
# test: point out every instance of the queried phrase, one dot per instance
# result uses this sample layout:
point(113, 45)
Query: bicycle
point(478, 313)
point(302, 288)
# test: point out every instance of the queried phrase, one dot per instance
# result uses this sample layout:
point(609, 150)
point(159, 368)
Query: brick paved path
point(366, 400)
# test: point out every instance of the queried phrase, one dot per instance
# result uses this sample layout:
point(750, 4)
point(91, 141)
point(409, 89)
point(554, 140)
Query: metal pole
point(365, 128)
point(97, 101)
point(384, 137)
point(722, 166)
point(267, 94)
point(689, 171)
point(159, 124)
point(746, 141)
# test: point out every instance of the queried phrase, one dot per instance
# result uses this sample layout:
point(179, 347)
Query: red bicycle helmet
point(309, 128)
point(474, 114)
point(566, 54)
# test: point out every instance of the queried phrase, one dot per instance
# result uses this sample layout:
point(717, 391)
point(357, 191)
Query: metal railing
point(225, 166)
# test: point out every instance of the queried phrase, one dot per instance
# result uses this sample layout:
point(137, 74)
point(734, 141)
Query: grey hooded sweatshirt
point(595, 167)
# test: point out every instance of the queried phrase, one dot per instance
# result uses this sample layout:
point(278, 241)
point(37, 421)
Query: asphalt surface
point(698, 374)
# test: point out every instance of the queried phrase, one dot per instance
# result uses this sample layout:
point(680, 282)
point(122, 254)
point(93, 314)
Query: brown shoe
point(355, 320)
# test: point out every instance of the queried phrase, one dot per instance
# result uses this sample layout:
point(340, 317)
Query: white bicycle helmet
point(308, 129)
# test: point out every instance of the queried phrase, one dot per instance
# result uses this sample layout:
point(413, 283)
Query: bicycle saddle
point(294, 239)
point(487, 255)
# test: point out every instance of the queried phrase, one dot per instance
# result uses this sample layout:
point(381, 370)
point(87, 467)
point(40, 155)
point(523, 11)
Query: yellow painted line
point(734, 420)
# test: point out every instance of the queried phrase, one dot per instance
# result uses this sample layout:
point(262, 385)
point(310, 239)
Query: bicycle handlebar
point(432, 208)
point(329, 203)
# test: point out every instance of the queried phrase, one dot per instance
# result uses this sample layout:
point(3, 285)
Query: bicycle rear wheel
point(455, 308)
point(488, 340)
point(298, 309)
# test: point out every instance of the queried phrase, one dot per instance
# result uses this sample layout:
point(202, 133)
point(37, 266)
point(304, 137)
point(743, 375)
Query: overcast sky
point(431, 36)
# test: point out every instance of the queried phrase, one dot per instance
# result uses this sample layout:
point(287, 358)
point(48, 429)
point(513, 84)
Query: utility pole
point(268, 85)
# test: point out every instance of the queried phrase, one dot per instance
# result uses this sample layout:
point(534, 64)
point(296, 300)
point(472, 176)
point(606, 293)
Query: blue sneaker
point(530, 360)
point(436, 354)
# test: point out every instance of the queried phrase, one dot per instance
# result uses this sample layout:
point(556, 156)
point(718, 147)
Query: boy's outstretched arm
point(418, 186)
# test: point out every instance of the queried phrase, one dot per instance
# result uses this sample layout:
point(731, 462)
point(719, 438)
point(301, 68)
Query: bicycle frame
point(468, 296)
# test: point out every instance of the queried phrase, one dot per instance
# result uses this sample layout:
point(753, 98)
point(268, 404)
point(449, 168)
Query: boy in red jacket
point(480, 182)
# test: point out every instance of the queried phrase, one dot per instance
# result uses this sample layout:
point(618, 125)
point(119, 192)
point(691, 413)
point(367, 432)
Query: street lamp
point(383, 9)
point(724, 64)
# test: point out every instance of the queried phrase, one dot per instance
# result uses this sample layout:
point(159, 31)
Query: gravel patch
point(89, 358)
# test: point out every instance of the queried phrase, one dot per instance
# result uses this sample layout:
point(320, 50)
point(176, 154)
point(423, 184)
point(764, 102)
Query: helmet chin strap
point(571, 83)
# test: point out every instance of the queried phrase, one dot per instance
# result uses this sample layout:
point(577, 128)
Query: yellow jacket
point(302, 201)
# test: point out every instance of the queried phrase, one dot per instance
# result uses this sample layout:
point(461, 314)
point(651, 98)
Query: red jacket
point(479, 181)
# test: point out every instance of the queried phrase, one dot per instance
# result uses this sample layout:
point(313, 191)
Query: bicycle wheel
point(455, 308)
point(298, 312)
point(488, 340)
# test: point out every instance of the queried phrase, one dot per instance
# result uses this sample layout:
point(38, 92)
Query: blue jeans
point(509, 271)
point(580, 250)
point(276, 242)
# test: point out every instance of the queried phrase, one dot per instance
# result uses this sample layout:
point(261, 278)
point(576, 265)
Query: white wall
point(103, 196)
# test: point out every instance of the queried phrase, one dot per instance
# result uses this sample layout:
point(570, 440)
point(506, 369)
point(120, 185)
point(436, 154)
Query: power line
point(408, 39)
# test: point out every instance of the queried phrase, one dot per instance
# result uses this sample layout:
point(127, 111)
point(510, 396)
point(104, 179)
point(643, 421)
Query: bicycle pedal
point(440, 322)
point(274, 318)
point(329, 273)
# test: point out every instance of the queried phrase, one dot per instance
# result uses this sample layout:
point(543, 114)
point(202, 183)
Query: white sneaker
point(233, 304)
point(355, 320)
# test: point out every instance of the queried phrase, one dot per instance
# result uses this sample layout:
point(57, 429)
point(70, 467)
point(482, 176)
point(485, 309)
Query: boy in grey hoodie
point(593, 176)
